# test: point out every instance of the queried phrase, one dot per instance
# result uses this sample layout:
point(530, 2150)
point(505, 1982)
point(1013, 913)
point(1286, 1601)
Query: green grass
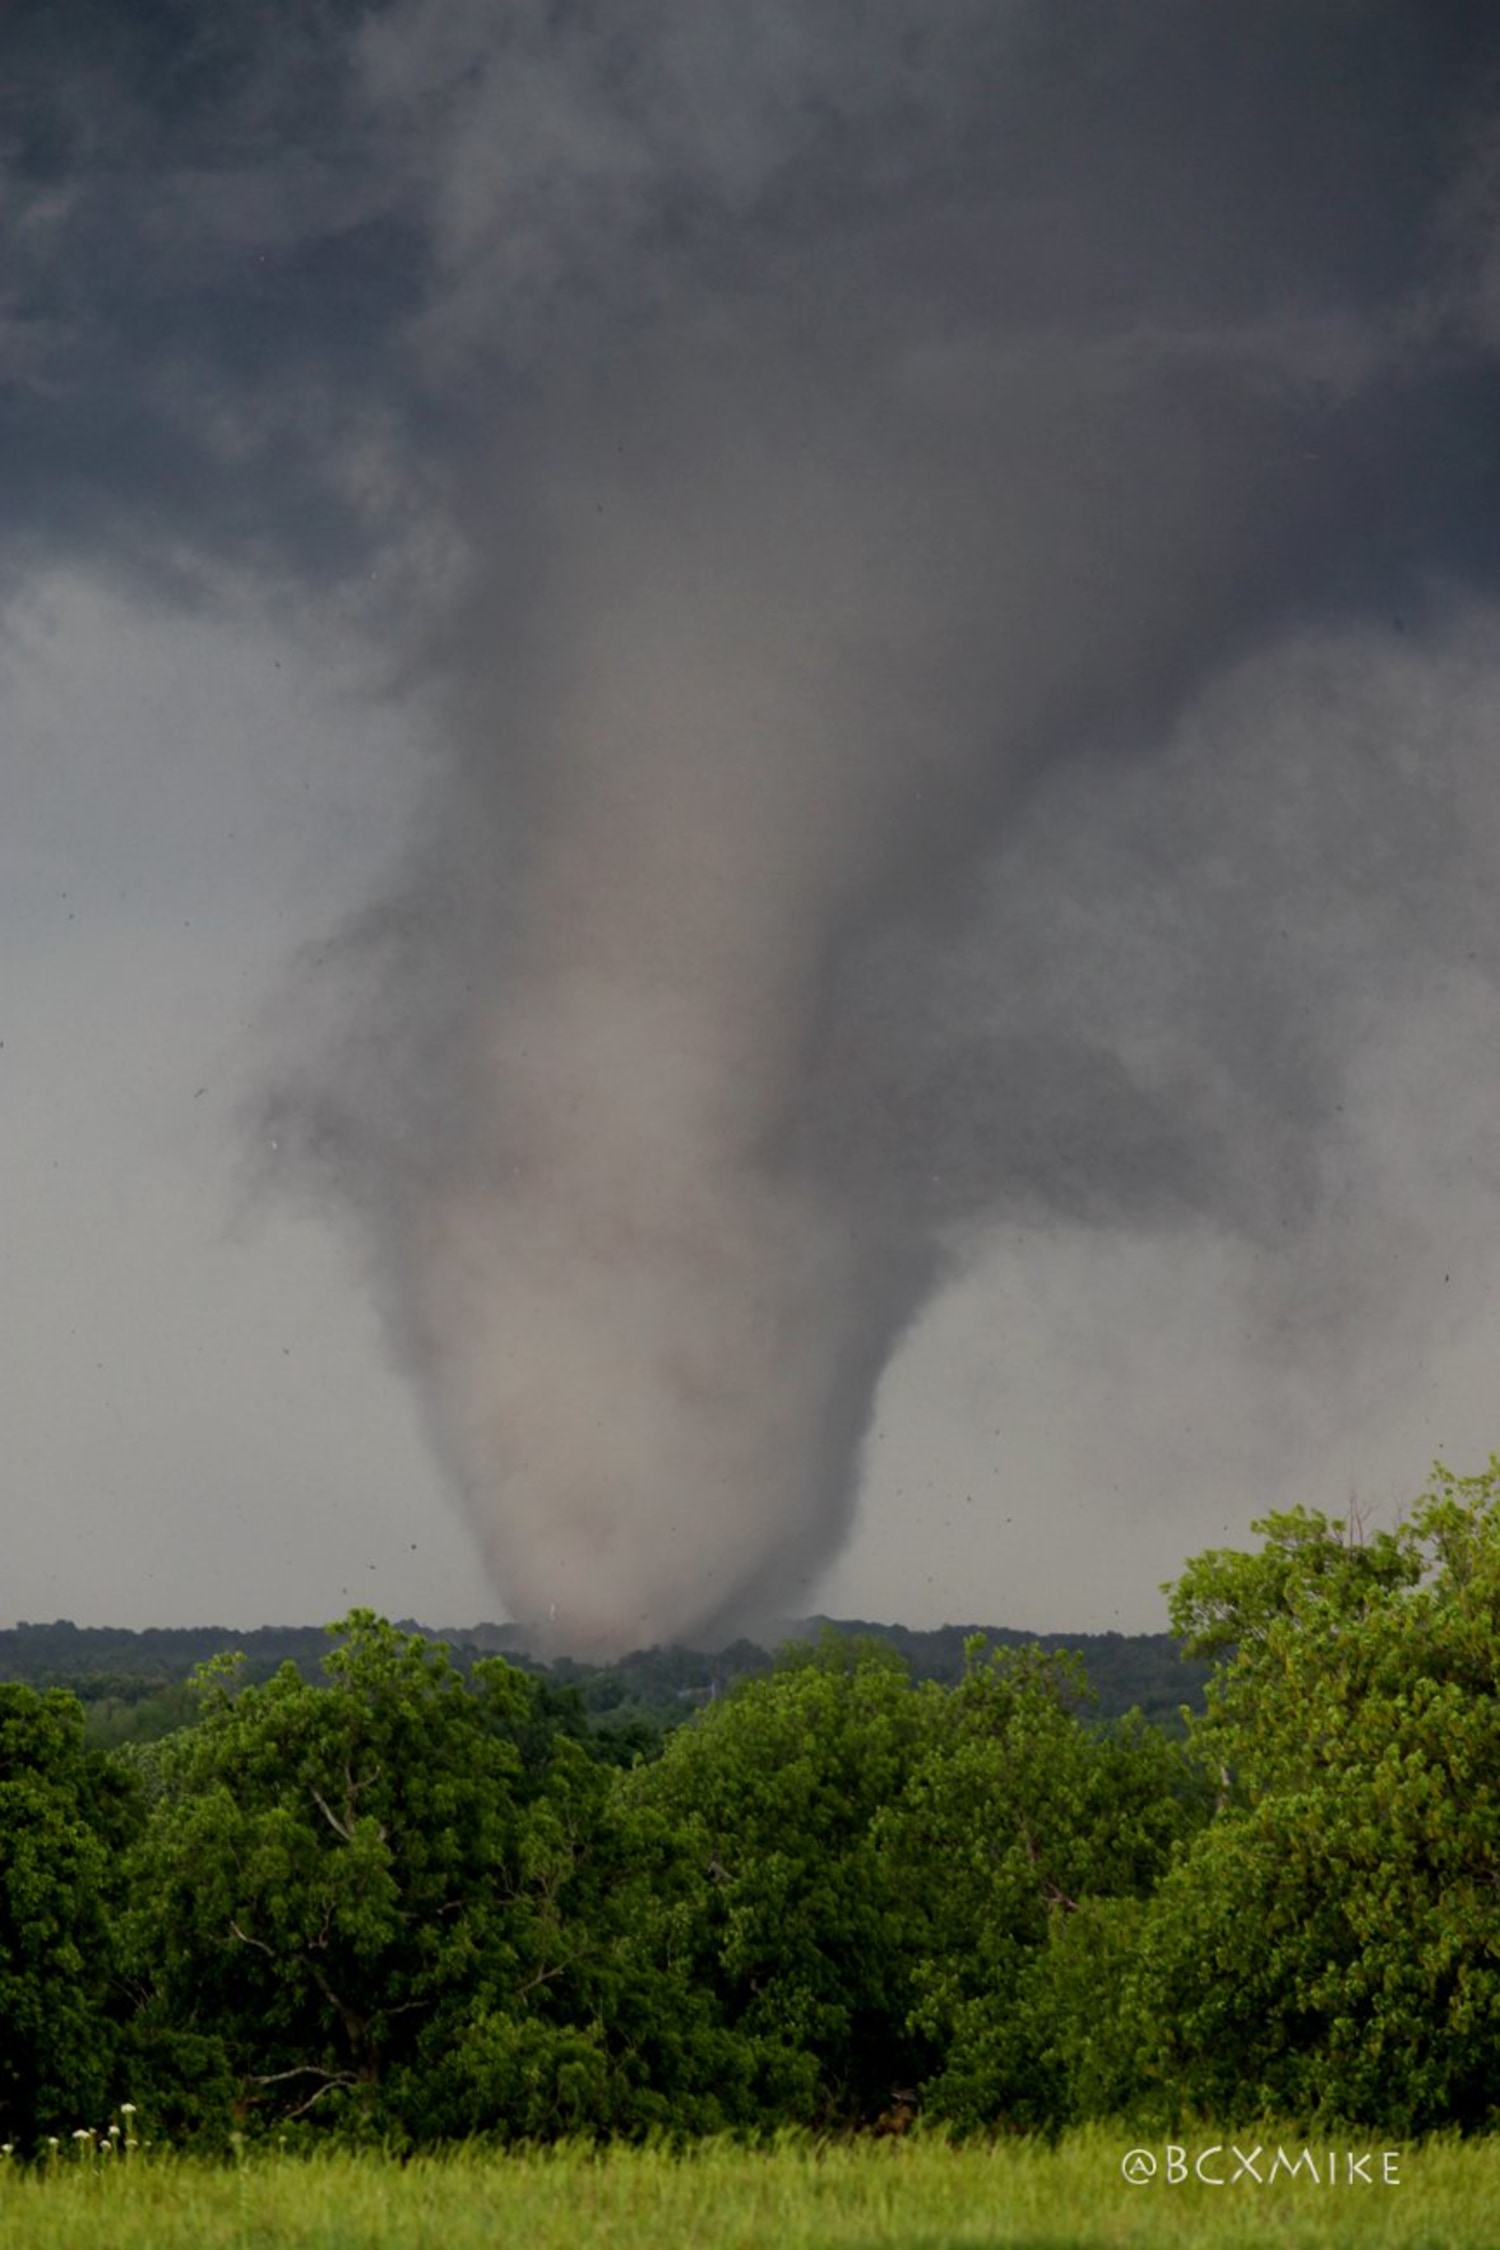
point(913, 2195)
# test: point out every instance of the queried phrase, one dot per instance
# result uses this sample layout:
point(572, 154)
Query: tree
point(785, 1906)
point(65, 1816)
point(1032, 1837)
point(1330, 1947)
point(366, 1896)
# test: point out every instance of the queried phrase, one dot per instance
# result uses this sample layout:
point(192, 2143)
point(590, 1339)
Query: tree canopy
point(428, 1899)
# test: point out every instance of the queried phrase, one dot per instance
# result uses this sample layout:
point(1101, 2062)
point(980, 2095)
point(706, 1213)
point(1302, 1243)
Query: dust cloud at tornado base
point(969, 703)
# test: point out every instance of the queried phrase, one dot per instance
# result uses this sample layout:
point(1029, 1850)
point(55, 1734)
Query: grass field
point(913, 2195)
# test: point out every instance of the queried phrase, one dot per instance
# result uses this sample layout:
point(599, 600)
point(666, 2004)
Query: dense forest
point(418, 1900)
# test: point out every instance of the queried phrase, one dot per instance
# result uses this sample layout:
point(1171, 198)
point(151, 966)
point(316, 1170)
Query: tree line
point(421, 1901)
point(136, 1685)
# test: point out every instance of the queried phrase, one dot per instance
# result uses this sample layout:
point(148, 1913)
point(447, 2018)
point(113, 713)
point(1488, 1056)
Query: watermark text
point(1226, 2164)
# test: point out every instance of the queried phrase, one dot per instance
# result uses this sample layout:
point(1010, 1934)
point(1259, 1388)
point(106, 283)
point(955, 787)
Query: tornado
point(886, 525)
point(652, 1189)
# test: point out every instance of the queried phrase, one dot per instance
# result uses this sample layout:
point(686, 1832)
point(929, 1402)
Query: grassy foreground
point(887, 2196)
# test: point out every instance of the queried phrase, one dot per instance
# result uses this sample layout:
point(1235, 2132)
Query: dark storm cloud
point(873, 438)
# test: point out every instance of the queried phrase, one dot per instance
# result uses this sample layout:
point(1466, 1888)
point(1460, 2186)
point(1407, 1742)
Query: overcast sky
point(749, 816)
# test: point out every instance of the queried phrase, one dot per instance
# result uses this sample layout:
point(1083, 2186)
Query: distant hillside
point(1127, 1671)
point(116, 1670)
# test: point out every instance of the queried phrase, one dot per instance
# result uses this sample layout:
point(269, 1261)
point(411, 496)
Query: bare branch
point(356, 2026)
point(352, 1788)
point(543, 1976)
point(304, 2070)
point(331, 1817)
point(317, 2094)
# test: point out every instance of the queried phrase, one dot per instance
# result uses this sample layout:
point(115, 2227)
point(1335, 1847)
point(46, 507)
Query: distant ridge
point(98, 1662)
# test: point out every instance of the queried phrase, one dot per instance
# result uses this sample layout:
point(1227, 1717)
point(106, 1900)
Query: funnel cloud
point(943, 566)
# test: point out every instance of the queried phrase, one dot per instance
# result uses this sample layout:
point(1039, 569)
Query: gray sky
point(804, 701)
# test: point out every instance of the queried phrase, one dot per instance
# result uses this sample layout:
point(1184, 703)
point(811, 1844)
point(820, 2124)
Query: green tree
point(381, 1902)
point(65, 1816)
point(1330, 1947)
point(784, 1906)
point(1031, 1838)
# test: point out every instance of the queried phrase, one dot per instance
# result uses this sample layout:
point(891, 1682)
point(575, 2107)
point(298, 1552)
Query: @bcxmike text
point(1226, 2164)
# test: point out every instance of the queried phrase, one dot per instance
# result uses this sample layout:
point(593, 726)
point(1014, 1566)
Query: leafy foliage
point(1022, 1828)
point(64, 1816)
point(429, 1898)
point(1330, 1947)
point(387, 1899)
point(792, 1918)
